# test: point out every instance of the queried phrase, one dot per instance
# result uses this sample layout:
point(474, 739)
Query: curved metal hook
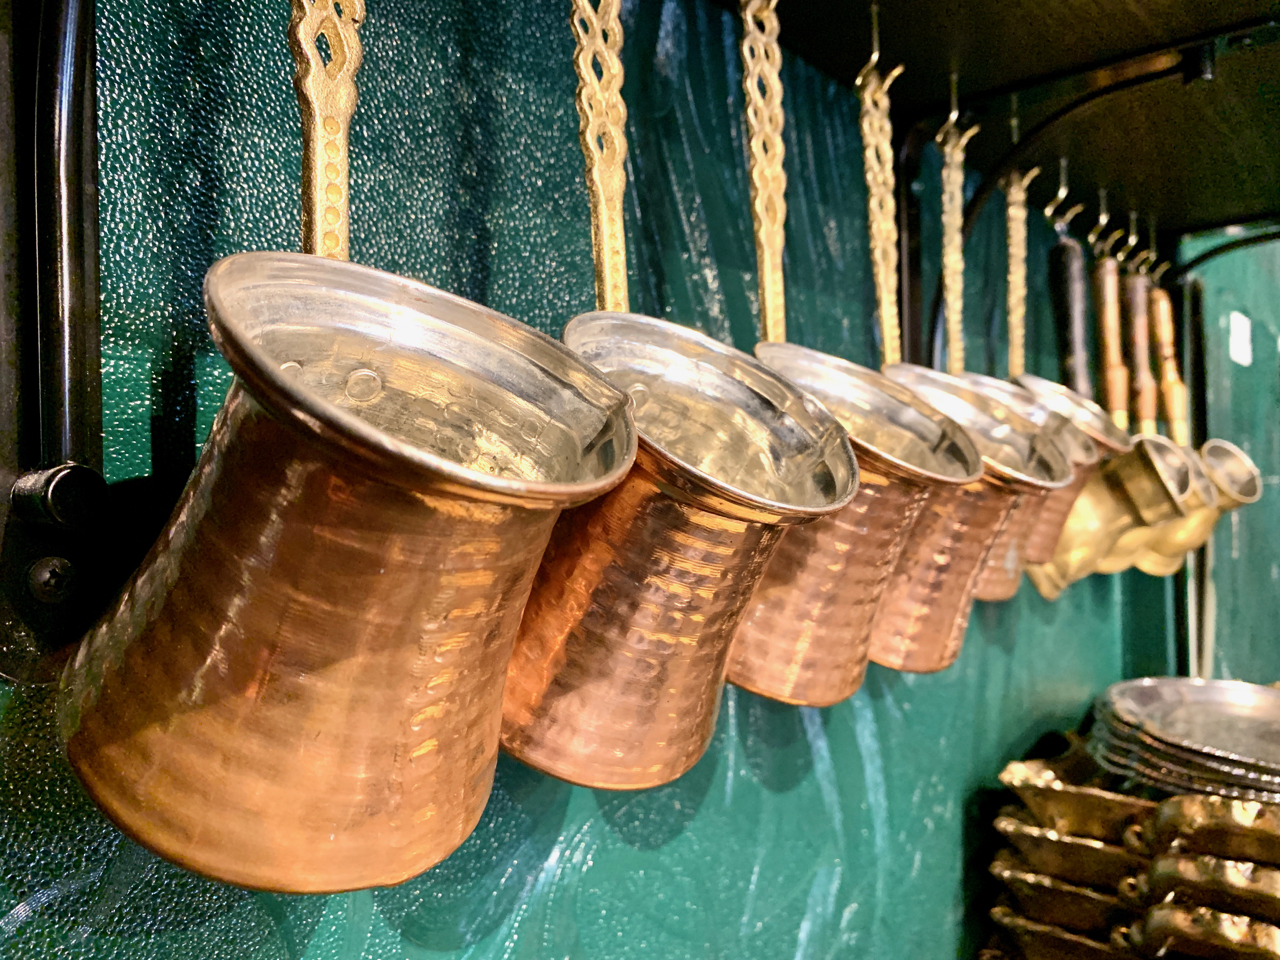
point(1104, 217)
point(1104, 249)
point(1158, 272)
point(1051, 208)
point(1132, 240)
point(875, 47)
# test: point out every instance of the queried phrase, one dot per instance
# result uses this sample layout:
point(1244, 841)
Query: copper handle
point(1106, 292)
point(602, 116)
point(327, 98)
point(1145, 392)
point(761, 64)
point(1173, 392)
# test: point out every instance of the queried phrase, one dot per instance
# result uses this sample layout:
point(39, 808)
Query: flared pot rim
point(866, 378)
point(392, 459)
point(714, 492)
point(1080, 410)
point(1241, 493)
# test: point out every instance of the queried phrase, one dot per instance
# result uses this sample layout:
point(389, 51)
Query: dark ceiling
point(1196, 155)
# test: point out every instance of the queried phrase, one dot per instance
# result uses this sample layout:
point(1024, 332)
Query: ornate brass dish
point(1020, 461)
point(1081, 860)
point(616, 675)
point(1216, 826)
point(1172, 929)
point(805, 637)
point(300, 689)
point(1234, 886)
point(1070, 809)
point(1043, 941)
point(1046, 899)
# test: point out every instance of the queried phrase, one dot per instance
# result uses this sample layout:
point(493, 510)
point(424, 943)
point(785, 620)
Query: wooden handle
point(602, 120)
point(327, 96)
point(762, 83)
point(1173, 392)
point(1106, 293)
point(1145, 392)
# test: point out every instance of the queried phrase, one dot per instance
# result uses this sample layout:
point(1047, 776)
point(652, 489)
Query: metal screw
point(51, 579)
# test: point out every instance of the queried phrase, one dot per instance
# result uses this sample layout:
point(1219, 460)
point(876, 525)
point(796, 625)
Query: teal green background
point(855, 831)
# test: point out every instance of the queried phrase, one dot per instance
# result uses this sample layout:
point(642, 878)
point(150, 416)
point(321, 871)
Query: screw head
point(51, 579)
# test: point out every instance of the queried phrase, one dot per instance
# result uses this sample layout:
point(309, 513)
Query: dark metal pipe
point(70, 393)
point(1265, 236)
point(1067, 293)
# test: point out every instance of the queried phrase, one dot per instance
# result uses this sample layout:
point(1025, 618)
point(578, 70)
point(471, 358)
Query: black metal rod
point(70, 394)
point(1239, 243)
point(12, 258)
point(1014, 157)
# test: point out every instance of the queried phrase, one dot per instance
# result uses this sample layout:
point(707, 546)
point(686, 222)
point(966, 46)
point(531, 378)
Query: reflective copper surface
point(1147, 485)
point(1019, 456)
point(300, 689)
point(1081, 411)
point(806, 634)
point(1237, 482)
point(1076, 445)
point(617, 670)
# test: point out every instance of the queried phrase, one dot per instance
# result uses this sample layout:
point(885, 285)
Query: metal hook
point(875, 46)
point(1158, 272)
point(1105, 249)
point(1104, 218)
point(1132, 240)
point(1051, 207)
point(1013, 118)
point(954, 116)
point(1143, 261)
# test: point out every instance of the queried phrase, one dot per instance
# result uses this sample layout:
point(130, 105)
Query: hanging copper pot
point(616, 676)
point(1146, 486)
point(806, 634)
point(1237, 482)
point(1019, 456)
point(1076, 445)
point(1083, 412)
point(924, 610)
point(1135, 543)
point(300, 689)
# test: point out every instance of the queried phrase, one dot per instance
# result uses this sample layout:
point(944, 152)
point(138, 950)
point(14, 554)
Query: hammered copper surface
point(805, 638)
point(301, 688)
point(1045, 525)
point(617, 670)
point(1018, 456)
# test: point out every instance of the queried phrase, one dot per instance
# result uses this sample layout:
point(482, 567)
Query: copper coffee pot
point(301, 687)
point(616, 676)
point(1021, 460)
point(806, 635)
point(1076, 445)
point(1081, 411)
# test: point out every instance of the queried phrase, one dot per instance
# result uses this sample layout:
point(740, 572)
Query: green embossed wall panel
point(846, 832)
point(1243, 406)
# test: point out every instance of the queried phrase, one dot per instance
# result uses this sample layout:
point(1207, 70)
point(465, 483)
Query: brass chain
point(761, 64)
point(953, 143)
point(602, 115)
point(882, 216)
point(327, 97)
point(1015, 192)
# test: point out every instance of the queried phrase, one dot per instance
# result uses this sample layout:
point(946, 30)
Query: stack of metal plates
point(1184, 735)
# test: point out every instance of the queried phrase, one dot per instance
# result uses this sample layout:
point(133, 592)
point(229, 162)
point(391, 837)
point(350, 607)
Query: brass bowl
point(805, 638)
point(1046, 899)
point(1044, 941)
point(1081, 860)
point(301, 687)
point(617, 670)
point(1071, 809)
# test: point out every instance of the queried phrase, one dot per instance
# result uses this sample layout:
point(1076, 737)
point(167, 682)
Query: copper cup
point(1237, 483)
point(616, 676)
point(301, 687)
point(806, 635)
point(1081, 411)
point(1076, 445)
point(1023, 457)
point(1146, 486)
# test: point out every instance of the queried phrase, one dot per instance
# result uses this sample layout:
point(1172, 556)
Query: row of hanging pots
point(420, 530)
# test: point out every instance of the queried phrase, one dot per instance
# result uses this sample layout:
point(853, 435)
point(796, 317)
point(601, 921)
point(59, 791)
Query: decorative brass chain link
point(761, 64)
point(326, 89)
point(953, 142)
point(882, 216)
point(1015, 193)
point(602, 115)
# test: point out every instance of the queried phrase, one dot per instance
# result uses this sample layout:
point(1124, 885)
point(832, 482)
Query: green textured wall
point(844, 832)
point(1243, 405)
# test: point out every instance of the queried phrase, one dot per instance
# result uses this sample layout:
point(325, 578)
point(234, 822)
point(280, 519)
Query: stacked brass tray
point(1091, 871)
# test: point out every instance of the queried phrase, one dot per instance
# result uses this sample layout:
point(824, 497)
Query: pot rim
point(1223, 480)
point(1080, 410)
point(1078, 447)
point(866, 378)
point(395, 460)
point(705, 488)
